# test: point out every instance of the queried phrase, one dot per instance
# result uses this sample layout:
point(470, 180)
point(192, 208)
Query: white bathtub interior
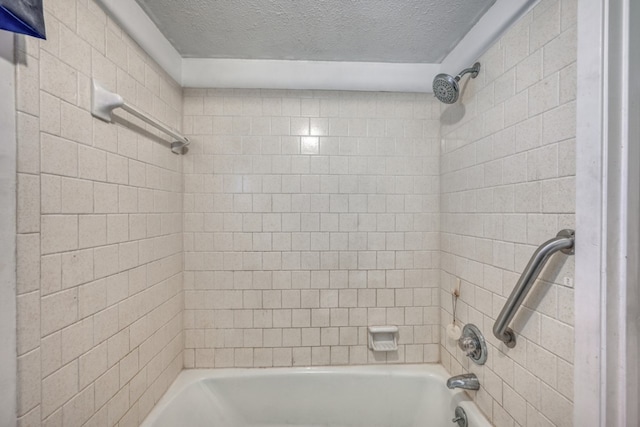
point(373, 396)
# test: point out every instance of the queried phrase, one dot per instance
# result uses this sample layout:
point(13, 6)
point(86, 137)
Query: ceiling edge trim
point(134, 20)
point(493, 24)
point(320, 75)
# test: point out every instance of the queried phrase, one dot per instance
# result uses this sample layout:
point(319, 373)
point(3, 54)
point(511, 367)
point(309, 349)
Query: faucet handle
point(468, 344)
point(473, 344)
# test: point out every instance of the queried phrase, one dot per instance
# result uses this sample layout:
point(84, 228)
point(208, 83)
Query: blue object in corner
point(23, 16)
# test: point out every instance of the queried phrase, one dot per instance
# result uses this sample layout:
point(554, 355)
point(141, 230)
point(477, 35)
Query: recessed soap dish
point(383, 338)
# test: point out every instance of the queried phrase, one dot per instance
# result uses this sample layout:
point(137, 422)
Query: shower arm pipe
point(565, 242)
point(474, 70)
point(103, 102)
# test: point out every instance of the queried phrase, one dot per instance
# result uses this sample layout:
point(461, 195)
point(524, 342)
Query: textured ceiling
point(413, 31)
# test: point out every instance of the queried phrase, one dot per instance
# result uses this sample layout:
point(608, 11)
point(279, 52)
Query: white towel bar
point(104, 102)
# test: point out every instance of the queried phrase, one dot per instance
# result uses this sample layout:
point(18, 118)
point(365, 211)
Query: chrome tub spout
point(464, 381)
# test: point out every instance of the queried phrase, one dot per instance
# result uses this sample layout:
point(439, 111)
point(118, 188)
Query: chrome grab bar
point(564, 241)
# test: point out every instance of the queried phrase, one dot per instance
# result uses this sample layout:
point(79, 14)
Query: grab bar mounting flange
point(567, 232)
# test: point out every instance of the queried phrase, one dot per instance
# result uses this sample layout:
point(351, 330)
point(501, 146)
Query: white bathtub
point(360, 396)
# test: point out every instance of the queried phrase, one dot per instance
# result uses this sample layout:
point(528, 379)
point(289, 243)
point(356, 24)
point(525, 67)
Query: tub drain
point(461, 417)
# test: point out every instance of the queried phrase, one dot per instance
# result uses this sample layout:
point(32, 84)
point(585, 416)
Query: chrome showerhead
point(446, 88)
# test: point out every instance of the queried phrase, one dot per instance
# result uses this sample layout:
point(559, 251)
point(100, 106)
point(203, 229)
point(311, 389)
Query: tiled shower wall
point(308, 216)
point(99, 276)
point(508, 185)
